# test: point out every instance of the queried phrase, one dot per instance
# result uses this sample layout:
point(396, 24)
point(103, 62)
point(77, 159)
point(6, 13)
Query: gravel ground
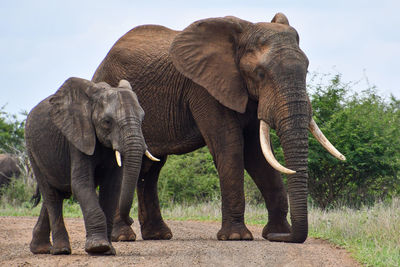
point(193, 244)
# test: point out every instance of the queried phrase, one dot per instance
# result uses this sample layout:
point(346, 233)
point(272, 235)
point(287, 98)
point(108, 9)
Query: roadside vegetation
point(354, 204)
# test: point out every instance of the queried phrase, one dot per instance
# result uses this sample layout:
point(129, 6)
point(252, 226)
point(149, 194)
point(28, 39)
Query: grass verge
point(371, 234)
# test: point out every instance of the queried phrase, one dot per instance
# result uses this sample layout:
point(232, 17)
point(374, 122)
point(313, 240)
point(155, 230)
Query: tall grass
point(372, 234)
point(20, 189)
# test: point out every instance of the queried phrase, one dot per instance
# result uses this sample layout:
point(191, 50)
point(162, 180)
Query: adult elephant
point(8, 168)
point(220, 82)
point(76, 140)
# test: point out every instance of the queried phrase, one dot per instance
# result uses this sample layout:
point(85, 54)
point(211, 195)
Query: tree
point(365, 128)
point(11, 132)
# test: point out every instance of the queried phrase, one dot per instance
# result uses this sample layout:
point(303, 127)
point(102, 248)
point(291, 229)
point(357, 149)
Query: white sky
point(43, 42)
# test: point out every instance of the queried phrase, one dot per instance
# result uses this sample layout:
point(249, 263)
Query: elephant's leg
point(268, 181)
point(109, 196)
point(121, 231)
point(94, 218)
point(152, 224)
point(40, 243)
point(108, 199)
point(82, 185)
point(229, 163)
point(53, 201)
point(223, 135)
point(50, 219)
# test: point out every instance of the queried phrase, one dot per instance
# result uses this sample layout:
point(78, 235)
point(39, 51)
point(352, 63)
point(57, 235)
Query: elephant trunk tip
point(287, 237)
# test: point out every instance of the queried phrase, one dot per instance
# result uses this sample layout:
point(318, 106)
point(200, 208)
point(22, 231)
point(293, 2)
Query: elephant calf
point(8, 169)
point(77, 139)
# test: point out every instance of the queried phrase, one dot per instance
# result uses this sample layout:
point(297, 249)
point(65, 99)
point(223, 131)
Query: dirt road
point(193, 244)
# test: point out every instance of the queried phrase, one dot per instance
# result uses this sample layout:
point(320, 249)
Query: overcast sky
point(43, 42)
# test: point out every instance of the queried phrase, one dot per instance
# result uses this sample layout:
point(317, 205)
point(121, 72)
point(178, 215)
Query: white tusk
point(150, 156)
point(266, 149)
point(118, 158)
point(314, 129)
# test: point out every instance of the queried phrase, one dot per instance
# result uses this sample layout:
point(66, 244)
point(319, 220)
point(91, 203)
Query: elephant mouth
point(119, 160)
point(265, 142)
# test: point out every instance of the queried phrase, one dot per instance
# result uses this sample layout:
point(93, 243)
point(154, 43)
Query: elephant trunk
point(295, 147)
point(134, 148)
point(292, 129)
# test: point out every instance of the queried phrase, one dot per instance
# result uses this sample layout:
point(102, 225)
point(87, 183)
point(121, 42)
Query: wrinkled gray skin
point(71, 137)
point(8, 169)
point(211, 84)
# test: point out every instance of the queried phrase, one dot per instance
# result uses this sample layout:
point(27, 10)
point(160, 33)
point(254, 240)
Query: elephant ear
point(205, 52)
point(280, 18)
point(71, 113)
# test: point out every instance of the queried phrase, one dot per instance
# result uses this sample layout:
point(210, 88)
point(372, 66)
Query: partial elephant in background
point(8, 168)
point(77, 140)
point(221, 82)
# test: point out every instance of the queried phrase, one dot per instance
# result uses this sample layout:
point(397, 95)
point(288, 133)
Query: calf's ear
point(71, 112)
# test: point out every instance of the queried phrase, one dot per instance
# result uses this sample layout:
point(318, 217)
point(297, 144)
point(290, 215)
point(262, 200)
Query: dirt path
point(193, 244)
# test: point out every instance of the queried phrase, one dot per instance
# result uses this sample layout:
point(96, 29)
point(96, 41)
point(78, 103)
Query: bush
point(17, 192)
point(365, 128)
point(11, 132)
point(192, 178)
point(189, 178)
point(20, 189)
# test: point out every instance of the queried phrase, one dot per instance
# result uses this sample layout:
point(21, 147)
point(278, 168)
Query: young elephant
point(8, 168)
point(77, 140)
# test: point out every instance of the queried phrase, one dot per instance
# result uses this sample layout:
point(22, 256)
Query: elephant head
point(87, 114)
point(235, 60)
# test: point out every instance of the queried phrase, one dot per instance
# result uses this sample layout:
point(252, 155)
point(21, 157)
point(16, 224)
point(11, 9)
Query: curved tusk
point(118, 158)
point(314, 129)
point(150, 156)
point(266, 149)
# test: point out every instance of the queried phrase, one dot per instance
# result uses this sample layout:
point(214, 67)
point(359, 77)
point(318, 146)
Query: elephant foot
point(98, 245)
point(61, 246)
point(234, 232)
point(63, 250)
point(40, 247)
point(159, 231)
point(122, 232)
point(275, 227)
point(110, 252)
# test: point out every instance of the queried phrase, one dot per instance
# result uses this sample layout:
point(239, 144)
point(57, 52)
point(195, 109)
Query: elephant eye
point(260, 73)
point(106, 123)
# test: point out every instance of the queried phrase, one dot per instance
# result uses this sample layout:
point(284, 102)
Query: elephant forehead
point(266, 32)
point(121, 103)
point(127, 96)
point(275, 27)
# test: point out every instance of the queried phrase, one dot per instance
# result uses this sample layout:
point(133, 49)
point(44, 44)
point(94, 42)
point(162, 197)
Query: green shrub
point(11, 132)
point(20, 189)
point(366, 129)
point(189, 178)
point(17, 192)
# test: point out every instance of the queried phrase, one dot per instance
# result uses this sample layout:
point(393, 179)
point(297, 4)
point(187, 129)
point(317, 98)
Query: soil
point(194, 244)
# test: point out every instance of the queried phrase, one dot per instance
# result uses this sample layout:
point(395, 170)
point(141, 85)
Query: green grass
point(70, 210)
point(372, 235)
point(24, 210)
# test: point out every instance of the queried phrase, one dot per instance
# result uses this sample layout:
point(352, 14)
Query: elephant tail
point(36, 197)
